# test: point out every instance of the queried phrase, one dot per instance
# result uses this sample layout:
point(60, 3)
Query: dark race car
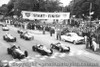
point(26, 36)
point(60, 47)
point(16, 53)
point(9, 38)
point(42, 50)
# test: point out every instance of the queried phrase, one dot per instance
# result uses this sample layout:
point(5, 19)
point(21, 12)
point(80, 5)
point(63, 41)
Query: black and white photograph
point(49, 33)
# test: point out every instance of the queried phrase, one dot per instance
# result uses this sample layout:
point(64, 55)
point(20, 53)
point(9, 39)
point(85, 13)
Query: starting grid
point(31, 60)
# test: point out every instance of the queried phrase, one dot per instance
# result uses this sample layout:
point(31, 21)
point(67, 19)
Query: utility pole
point(90, 10)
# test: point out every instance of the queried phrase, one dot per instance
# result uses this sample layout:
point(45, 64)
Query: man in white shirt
point(95, 45)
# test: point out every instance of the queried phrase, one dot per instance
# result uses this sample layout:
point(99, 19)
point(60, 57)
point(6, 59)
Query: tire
point(52, 46)
point(26, 53)
point(51, 51)
point(63, 40)
point(15, 39)
point(14, 55)
point(20, 36)
point(33, 48)
point(4, 37)
point(60, 49)
point(8, 50)
point(32, 38)
point(69, 48)
point(19, 47)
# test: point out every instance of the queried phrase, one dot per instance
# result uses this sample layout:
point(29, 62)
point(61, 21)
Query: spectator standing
point(86, 43)
point(51, 31)
point(44, 30)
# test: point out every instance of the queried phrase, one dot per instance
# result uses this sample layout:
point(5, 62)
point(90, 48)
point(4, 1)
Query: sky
point(65, 2)
point(3, 2)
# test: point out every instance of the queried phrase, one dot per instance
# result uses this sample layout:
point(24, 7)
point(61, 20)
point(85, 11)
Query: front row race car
point(9, 38)
point(16, 53)
point(58, 46)
point(26, 36)
point(42, 49)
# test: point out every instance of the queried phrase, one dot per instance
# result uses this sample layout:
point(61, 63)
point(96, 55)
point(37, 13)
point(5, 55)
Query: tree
point(3, 9)
point(83, 7)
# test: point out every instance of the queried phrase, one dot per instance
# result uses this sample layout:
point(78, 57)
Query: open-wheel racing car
point(60, 47)
point(27, 36)
point(16, 53)
point(42, 50)
point(9, 38)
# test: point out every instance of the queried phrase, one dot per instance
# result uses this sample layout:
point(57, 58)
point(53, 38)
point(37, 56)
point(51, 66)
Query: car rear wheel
point(51, 51)
point(4, 37)
point(33, 48)
point(63, 40)
point(15, 39)
point(26, 53)
point(8, 50)
point(14, 55)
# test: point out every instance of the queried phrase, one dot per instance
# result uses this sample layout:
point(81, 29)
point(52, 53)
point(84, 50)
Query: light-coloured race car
point(9, 38)
point(27, 36)
point(72, 37)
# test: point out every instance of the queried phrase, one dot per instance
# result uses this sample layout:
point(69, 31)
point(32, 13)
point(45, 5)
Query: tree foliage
point(83, 7)
point(16, 6)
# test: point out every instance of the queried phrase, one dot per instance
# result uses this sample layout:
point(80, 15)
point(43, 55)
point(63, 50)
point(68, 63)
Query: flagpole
point(90, 10)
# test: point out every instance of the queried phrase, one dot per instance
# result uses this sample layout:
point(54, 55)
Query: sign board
point(44, 15)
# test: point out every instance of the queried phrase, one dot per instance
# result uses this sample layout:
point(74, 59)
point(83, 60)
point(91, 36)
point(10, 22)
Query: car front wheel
point(60, 49)
point(8, 50)
point(33, 48)
point(4, 37)
point(26, 53)
point(15, 39)
point(74, 42)
point(68, 48)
